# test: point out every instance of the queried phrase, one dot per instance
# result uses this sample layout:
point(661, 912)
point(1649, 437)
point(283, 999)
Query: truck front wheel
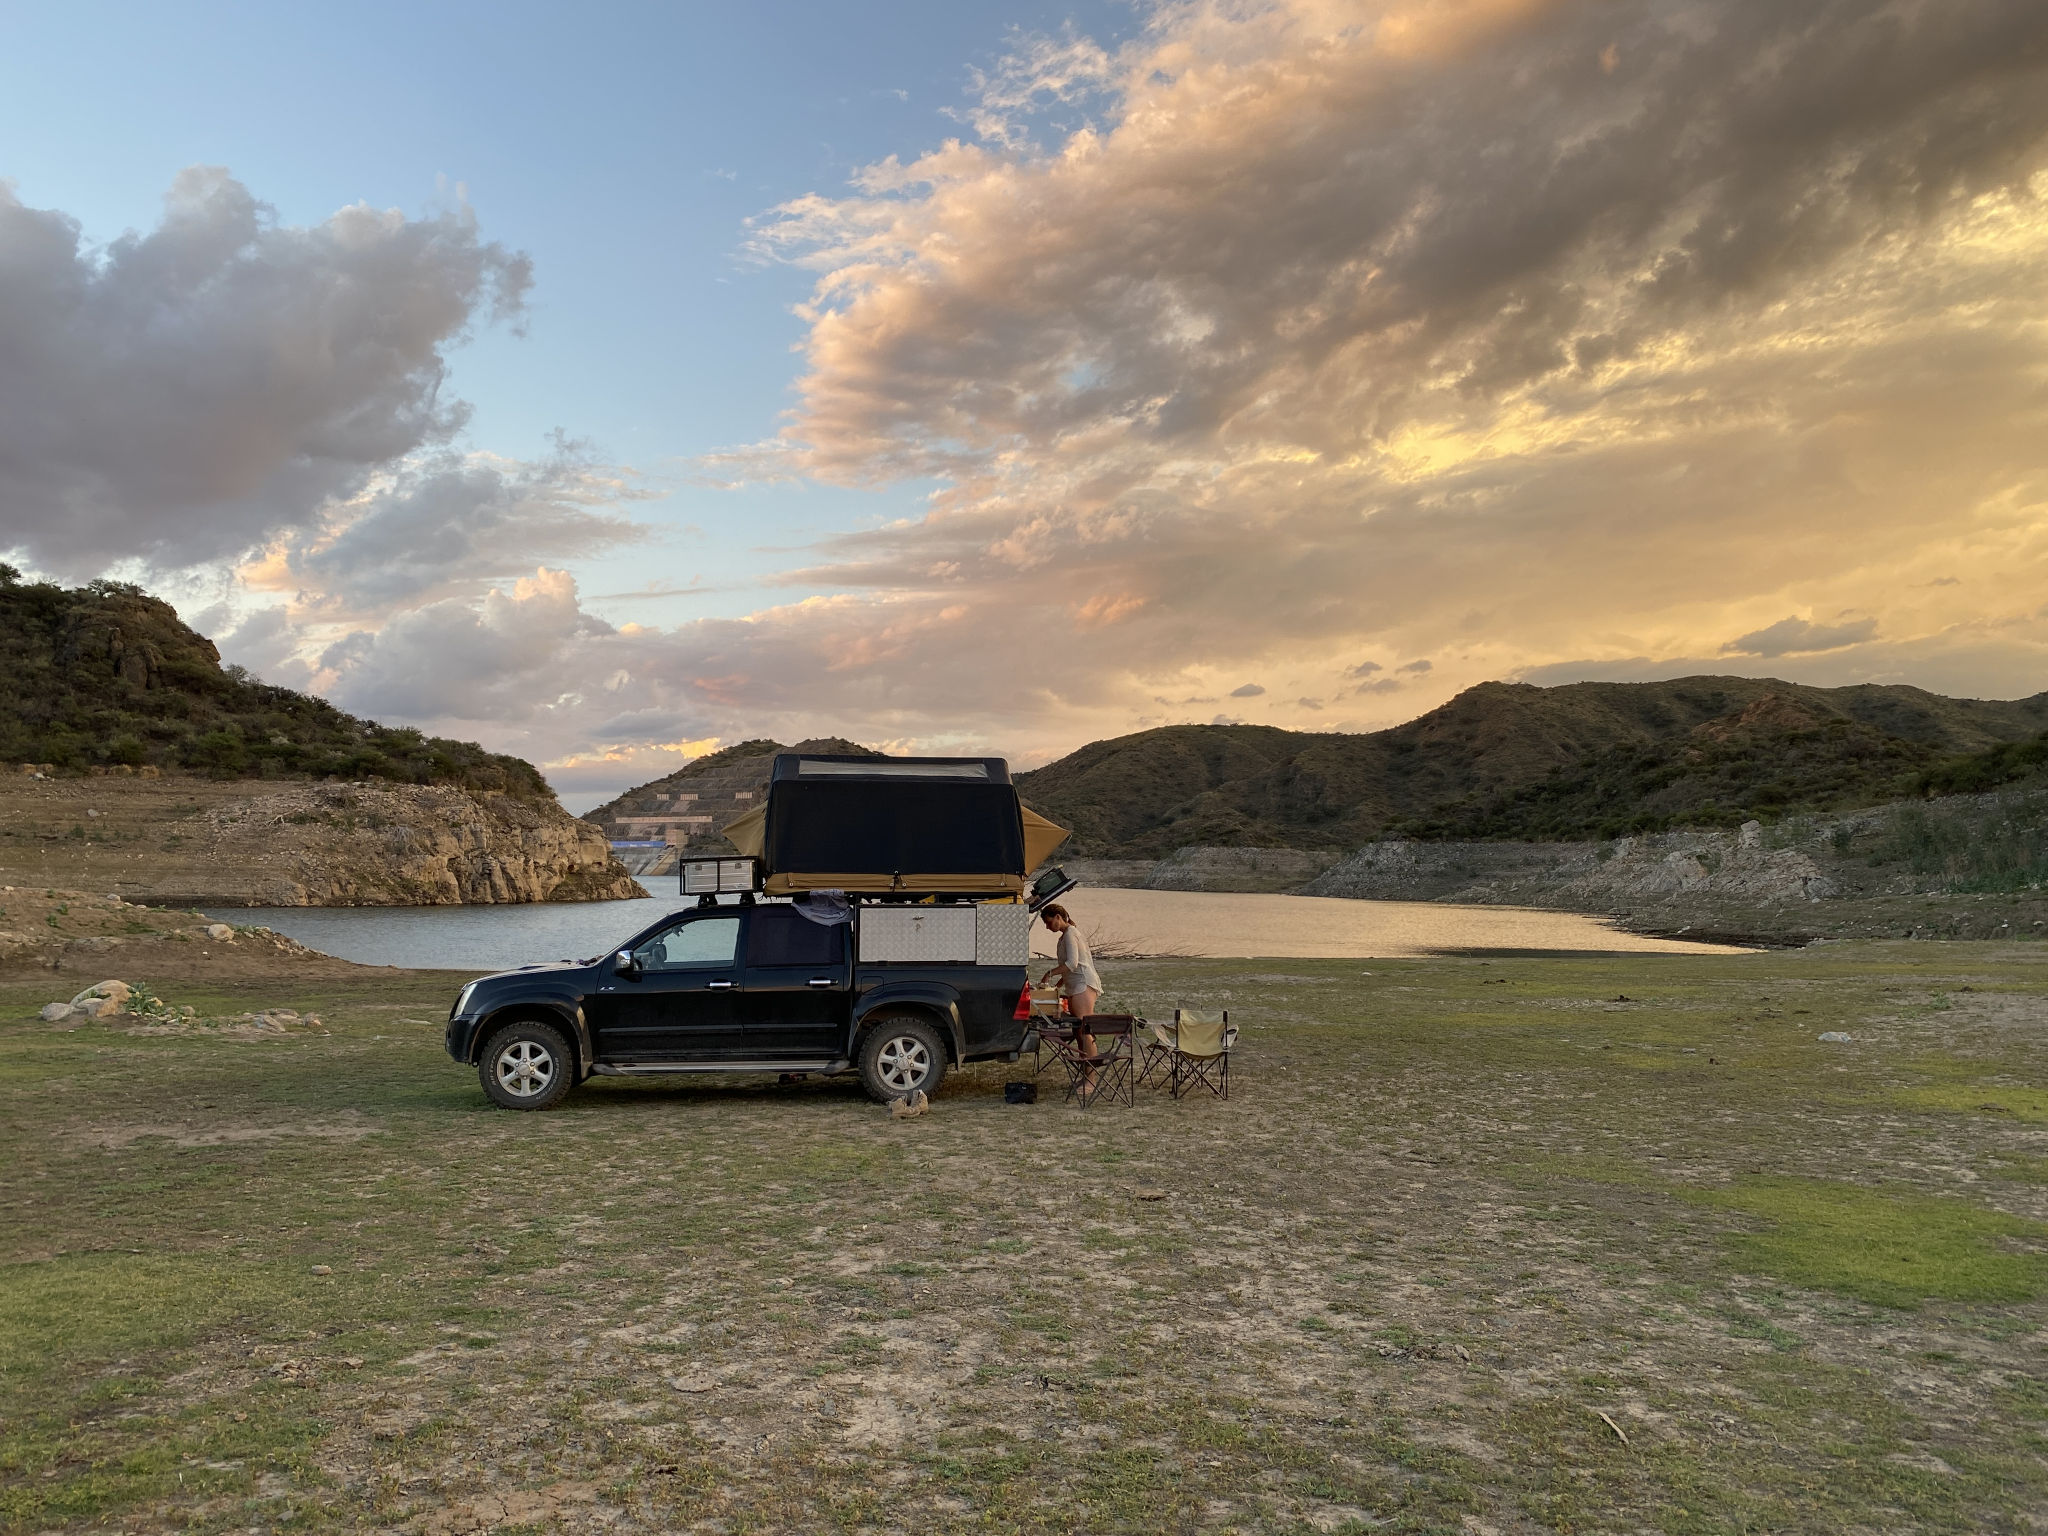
point(526, 1066)
point(901, 1055)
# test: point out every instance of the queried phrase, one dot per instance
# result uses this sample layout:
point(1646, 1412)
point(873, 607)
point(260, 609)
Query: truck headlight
point(462, 1001)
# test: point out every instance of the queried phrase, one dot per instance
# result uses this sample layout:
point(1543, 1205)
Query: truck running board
point(670, 1068)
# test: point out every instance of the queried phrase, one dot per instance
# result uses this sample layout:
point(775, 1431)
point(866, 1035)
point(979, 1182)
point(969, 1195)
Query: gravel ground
point(1565, 1245)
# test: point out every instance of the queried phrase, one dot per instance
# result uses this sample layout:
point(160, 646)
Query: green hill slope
point(105, 675)
point(1509, 760)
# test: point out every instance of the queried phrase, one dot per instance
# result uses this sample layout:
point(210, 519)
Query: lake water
point(1188, 923)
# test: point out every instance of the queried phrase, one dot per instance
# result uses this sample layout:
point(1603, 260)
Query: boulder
point(56, 1013)
point(113, 994)
point(219, 931)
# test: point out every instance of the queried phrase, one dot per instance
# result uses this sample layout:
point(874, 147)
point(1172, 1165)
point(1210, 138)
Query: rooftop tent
point(915, 825)
point(1040, 838)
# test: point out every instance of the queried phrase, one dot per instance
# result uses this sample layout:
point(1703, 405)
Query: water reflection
point(1153, 922)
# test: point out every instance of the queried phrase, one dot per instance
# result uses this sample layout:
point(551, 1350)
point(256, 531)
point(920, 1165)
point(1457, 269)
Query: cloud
point(444, 521)
point(1501, 334)
point(1247, 691)
point(1794, 636)
point(514, 656)
point(181, 395)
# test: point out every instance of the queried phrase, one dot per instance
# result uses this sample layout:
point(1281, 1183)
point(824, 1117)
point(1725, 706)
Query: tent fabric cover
point(908, 883)
point(1040, 838)
point(883, 817)
point(745, 833)
point(913, 826)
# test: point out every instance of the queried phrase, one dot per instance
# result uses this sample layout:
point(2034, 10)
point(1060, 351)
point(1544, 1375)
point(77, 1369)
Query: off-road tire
point(527, 1065)
point(892, 1053)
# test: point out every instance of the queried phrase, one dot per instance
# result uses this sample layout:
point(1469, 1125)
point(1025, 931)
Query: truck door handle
point(821, 981)
point(719, 986)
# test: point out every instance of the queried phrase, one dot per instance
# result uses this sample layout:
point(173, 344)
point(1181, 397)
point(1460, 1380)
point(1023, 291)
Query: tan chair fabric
point(1164, 1034)
point(1200, 1034)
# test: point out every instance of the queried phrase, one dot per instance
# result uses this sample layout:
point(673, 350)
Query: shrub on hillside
point(105, 674)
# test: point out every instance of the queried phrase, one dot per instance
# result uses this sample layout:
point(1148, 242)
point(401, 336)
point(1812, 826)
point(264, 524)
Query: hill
point(692, 807)
point(1510, 760)
point(107, 676)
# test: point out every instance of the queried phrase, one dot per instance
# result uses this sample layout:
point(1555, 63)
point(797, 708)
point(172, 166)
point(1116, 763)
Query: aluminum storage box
point(1002, 934)
point(930, 934)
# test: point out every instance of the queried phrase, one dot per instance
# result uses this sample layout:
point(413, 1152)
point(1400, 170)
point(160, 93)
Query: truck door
point(799, 986)
point(684, 1004)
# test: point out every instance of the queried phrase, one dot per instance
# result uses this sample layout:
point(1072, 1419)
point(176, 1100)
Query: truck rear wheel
point(903, 1054)
point(526, 1065)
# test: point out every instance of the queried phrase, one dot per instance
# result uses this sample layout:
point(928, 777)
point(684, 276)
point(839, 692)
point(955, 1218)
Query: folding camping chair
point(1111, 1064)
point(1157, 1051)
point(1201, 1052)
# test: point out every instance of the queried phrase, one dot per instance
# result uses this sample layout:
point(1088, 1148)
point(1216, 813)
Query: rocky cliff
point(193, 841)
point(1961, 866)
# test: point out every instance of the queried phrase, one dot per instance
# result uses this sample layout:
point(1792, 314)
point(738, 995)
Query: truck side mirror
point(626, 963)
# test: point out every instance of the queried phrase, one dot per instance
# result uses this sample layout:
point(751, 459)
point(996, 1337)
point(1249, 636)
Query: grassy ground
point(1566, 1245)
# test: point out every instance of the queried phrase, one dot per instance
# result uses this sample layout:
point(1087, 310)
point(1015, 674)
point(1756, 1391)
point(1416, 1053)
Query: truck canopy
point(899, 825)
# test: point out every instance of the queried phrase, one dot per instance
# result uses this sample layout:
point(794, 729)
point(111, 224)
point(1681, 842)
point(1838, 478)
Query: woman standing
point(1079, 984)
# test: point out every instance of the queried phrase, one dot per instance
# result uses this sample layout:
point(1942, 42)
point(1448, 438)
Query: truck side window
point(701, 942)
point(784, 936)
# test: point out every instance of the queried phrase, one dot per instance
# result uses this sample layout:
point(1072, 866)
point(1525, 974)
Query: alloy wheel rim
point(904, 1063)
point(525, 1069)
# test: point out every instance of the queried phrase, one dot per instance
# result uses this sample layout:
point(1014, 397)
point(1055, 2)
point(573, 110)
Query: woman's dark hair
point(1052, 910)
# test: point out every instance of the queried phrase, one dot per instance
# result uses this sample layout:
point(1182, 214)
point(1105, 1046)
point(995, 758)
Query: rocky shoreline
point(1954, 868)
point(189, 842)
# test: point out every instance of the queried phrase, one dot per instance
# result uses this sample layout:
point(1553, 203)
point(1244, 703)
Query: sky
point(610, 383)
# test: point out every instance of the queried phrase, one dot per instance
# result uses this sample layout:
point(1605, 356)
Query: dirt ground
point(1474, 1246)
point(134, 837)
point(74, 938)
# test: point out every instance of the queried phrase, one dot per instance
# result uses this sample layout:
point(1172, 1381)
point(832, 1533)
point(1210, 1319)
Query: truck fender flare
point(940, 1004)
point(569, 1020)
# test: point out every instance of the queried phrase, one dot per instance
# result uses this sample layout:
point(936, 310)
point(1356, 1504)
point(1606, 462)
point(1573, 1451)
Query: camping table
point(1101, 1025)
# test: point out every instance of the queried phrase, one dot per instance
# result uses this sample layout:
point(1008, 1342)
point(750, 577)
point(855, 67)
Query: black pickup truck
point(753, 987)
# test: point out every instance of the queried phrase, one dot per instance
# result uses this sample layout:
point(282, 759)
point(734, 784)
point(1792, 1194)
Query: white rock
point(219, 931)
point(56, 1012)
point(1836, 1037)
